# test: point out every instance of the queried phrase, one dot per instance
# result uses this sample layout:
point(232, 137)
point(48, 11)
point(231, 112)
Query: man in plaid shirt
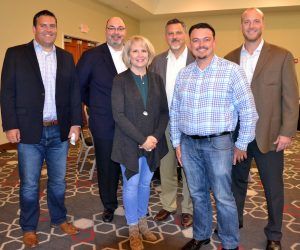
point(210, 96)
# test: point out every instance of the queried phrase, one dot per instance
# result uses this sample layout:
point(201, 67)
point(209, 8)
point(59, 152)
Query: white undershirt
point(248, 62)
point(117, 58)
point(173, 67)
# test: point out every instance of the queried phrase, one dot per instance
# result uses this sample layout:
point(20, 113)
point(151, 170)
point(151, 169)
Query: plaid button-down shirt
point(210, 101)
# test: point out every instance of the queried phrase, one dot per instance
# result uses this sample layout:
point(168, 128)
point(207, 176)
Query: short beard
point(201, 57)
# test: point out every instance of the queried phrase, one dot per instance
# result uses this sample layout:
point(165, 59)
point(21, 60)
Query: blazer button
point(43, 94)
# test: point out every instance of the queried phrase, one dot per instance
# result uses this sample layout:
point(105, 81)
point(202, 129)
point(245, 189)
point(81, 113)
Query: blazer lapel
point(190, 58)
point(164, 67)
point(263, 58)
point(31, 55)
point(237, 56)
point(59, 68)
point(109, 61)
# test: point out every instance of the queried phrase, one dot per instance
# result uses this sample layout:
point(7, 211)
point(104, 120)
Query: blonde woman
point(140, 111)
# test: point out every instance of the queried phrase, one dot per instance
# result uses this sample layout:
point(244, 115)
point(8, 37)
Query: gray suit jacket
point(133, 127)
point(160, 62)
point(275, 90)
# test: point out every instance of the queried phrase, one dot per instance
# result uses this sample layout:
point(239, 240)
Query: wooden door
point(77, 46)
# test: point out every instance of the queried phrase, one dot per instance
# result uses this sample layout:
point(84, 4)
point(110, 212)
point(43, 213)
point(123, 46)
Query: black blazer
point(96, 71)
point(132, 126)
point(23, 93)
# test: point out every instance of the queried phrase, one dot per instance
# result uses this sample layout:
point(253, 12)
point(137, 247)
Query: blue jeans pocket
point(224, 142)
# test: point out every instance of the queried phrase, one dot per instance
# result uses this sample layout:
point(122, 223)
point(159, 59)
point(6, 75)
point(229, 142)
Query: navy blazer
point(23, 93)
point(96, 71)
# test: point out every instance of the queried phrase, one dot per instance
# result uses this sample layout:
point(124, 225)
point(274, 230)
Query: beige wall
point(16, 19)
point(282, 28)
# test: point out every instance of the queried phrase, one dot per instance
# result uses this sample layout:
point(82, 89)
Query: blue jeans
point(207, 164)
point(31, 158)
point(136, 192)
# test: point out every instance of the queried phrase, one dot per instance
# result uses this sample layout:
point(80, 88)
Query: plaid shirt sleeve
point(245, 105)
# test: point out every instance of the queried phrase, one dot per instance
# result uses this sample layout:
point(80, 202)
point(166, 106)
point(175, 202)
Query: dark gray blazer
point(133, 127)
point(160, 62)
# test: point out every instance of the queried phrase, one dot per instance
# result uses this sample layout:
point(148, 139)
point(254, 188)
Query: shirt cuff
point(241, 146)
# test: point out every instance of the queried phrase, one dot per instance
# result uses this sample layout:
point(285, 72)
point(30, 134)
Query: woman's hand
point(150, 143)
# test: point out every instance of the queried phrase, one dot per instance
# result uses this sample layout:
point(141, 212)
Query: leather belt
point(50, 123)
point(198, 137)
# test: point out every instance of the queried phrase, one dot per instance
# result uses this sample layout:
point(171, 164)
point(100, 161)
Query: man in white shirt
point(271, 72)
point(167, 65)
point(96, 70)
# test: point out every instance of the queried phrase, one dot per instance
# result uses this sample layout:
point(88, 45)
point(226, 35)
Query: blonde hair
point(127, 47)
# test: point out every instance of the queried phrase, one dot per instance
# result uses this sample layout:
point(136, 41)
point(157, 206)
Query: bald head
point(252, 25)
point(115, 32)
point(251, 11)
point(115, 19)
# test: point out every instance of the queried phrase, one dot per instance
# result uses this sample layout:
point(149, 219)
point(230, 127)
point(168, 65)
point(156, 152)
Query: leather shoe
point(30, 239)
point(216, 229)
point(195, 244)
point(186, 220)
point(273, 245)
point(163, 214)
point(108, 215)
point(69, 228)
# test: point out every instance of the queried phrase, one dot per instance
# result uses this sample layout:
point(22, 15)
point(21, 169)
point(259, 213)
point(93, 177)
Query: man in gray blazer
point(167, 65)
point(271, 72)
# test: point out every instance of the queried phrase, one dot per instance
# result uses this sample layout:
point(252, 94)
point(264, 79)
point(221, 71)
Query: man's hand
point(178, 155)
point(13, 135)
point(76, 131)
point(238, 155)
point(282, 142)
point(150, 143)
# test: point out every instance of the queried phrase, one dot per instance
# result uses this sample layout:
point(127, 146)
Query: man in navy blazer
point(41, 109)
point(96, 70)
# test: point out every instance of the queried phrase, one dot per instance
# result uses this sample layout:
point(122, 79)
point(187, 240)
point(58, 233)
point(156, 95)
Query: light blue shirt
point(210, 101)
point(48, 65)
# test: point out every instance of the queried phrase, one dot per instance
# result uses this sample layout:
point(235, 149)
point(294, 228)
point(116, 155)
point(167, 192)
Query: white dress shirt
point(117, 58)
point(48, 65)
point(248, 62)
point(174, 65)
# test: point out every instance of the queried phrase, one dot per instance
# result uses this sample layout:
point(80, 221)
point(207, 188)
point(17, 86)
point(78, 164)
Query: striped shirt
point(210, 101)
point(48, 65)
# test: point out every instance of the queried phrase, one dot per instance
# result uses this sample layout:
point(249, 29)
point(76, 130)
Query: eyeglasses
point(112, 28)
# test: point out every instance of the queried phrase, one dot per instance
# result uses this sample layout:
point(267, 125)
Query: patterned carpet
point(85, 210)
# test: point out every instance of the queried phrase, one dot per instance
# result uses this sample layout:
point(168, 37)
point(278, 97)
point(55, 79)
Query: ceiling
point(151, 9)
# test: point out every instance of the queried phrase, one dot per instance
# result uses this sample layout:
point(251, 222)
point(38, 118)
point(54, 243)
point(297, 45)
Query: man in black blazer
point(41, 109)
point(96, 69)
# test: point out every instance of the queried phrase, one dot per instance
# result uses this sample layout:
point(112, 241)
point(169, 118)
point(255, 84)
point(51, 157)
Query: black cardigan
point(133, 126)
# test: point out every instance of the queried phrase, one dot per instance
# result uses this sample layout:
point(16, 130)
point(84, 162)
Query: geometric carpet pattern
point(85, 210)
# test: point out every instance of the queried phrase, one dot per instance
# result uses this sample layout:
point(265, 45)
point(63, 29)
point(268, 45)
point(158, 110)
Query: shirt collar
point(171, 54)
point(39, 48)
point(257, 50)
point(213, 64)
point(113, 51)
